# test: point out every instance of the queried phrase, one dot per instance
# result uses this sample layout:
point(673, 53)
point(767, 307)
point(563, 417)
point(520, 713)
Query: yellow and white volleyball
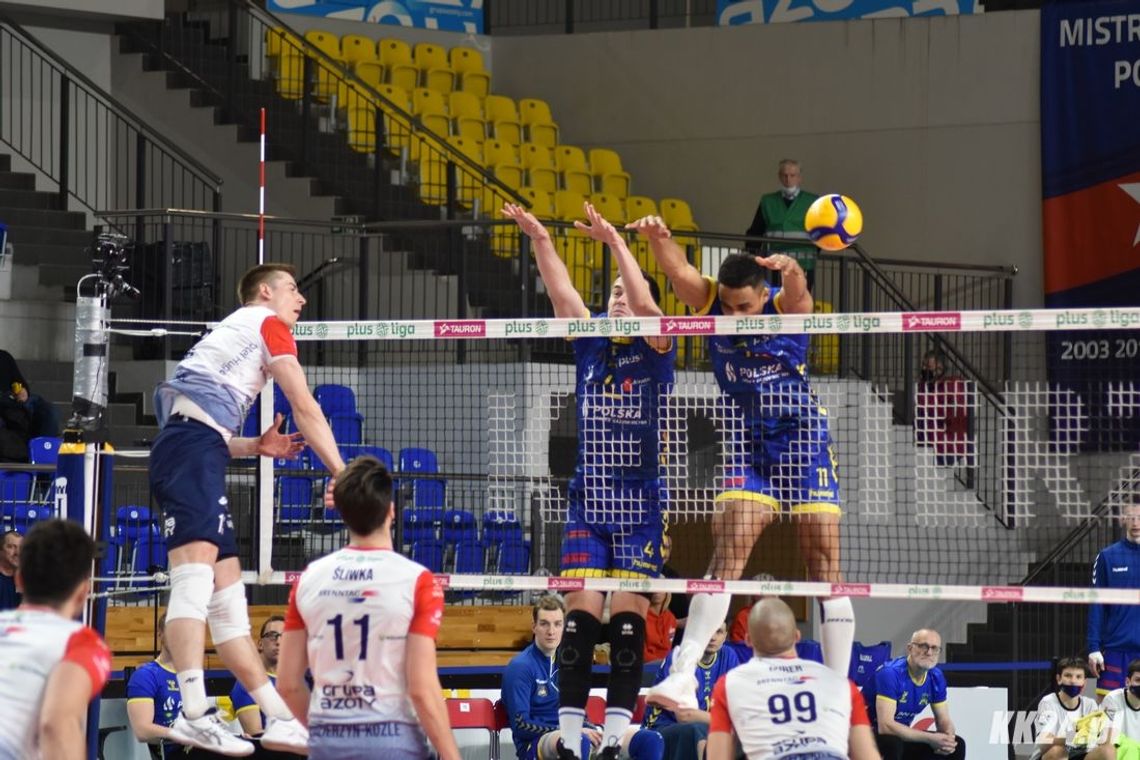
point(833, 222)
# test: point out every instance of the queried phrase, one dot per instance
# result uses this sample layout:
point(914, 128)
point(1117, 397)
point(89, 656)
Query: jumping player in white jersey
point(363, 620)
point(781, 706)
point(50, 665)
point(201, 411)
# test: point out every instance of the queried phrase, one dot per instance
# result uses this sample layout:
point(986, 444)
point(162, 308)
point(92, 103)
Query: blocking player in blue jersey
point(615, 521)
point(1114, 629)
point(784, 462)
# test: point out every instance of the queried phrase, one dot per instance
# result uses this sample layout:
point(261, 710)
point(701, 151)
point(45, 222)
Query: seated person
point(686, 731)
point(660, 627)
point(1122, 707)
point(900, 690)
point(268, 647)
point(1063, 725)
point(153, 700)
point(530, 696)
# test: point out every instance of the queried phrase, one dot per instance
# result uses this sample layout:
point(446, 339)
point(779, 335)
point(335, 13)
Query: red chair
point(596, 711)
point(639, 710)
point(476, 713)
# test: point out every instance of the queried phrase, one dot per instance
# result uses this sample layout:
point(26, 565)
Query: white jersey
point(227, 369)
point(33, 641)
point(1125, 718)
point(358, 607)
point(1056, 719)
point(779, 707)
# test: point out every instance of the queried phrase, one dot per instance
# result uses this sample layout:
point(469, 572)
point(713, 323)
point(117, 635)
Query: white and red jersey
point(780, 707)
point(227, 369)
point(33, 641)
point(358, 607)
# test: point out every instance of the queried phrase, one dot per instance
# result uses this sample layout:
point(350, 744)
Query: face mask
point(1135, 690)
point(790, 192)
point(1072, 689)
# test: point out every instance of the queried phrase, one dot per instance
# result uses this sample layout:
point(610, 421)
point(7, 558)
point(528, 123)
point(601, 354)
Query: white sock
point(617, 721)
point(271, 702)
point(706, 613)
point(570, 720)
point(837, 631)
point(192, 686)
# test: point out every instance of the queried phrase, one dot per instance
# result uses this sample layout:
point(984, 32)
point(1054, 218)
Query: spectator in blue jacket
point(1114, 629)
point(530, 695)
point(686, 731)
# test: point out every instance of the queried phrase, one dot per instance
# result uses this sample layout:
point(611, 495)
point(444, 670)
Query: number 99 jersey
point(782, 707)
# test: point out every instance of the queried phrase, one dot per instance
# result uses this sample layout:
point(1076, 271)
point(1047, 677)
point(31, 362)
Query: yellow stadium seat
point(676, 213)
point(539, 123)
point(503, 116)
point(570, 161)
point(541, 203)
point(610, 207)
point(329, 77)
point(356, 48)
point(362, 130)
point(433, 174)
point(427, 102)
point(436, 72)
point(581, 256)
point(610, 178)
point(510, 175)
point(326, 42)
point(568, 205)
point(823, 351)
point(280, 41)
point(396, 55)
point(467, 115)
point(467, 63)
point(351, 95)
point(499, 152)
point(370, 72)
point(291, 76)
point(637, 206)
point(539, 165)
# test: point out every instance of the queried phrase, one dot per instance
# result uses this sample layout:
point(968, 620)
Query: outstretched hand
point(280, 445)
point(598, 228)
point(650, 228)
point(526, 221)
point(779, 262)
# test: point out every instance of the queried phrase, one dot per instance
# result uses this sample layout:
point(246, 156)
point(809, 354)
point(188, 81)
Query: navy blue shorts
point(188, 482)
point(622, 543)
point(1115, 675)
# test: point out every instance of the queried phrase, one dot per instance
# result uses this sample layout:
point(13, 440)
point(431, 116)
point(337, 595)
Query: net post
point(264, 491)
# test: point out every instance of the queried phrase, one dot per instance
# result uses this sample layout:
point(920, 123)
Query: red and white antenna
point(261, 197)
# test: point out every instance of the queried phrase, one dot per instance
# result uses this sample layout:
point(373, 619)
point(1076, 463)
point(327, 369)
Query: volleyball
point(833, 222)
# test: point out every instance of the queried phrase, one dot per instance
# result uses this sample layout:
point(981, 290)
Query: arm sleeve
point(88, 651)
point(517, 689)
point(277, 338)
point(1047, 722)
point(1096, 611)
point(427, 613)
point(718, 709)
point(859, 715)
point(886, 685)
point(938, 687)
point(293, 619)
point(141, 686)
point(711, 300)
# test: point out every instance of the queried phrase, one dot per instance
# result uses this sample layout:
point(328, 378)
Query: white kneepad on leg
point(190, 588)
point(229, 614)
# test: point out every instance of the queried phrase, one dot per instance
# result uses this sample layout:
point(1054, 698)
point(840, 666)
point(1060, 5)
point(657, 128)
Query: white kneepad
point(229, 614)
point(190, 589)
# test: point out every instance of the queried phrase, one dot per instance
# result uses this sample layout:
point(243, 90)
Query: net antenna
point(264, 464)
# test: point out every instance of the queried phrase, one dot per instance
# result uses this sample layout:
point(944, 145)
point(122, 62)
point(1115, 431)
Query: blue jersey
point(157, 684)
point(243, 701)
point(530, 696)
point(619, 385)
point(893, 682)
point(9, 598)
point(707, 675)
point(1115, 626)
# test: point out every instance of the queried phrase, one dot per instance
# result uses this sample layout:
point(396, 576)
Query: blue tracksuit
point(1115, 627)
point(530, 694)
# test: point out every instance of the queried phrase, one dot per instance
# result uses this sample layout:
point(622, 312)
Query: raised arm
point(308, 415)
point(688, 283)
point(271, 443)
point(637, 292)
point(567, 302)
point(794, 295)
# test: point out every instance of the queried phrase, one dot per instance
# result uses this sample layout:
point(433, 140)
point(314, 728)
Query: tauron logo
point(933, 320)
point(566, 584)
point(460, 328)
point(688, 325)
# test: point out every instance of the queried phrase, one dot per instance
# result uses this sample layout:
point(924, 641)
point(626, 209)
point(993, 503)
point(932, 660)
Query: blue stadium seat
point(335, 399)
point(148, 556)
point(44, 450)
point(294, 500)
point(429, 553)
point(15, 486)
point(301, 462)
point(348, 453)
point(347, 428)
point(132, 522)
point(251, 428)
point(514, 558)
point(428, 493)
point(459, 526)
point(422, 525)
point(24, 516)
point(414, 459)
point(469, 558)
point(866, 659)
point(500, 526)
point(425, 493)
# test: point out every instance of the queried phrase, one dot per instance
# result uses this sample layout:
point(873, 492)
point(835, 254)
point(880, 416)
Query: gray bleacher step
point(46, 370)
point(33, 217)
point(48, 253)
point(30, 199)
point(67, 236)
point(67, 276)
point(17, 181)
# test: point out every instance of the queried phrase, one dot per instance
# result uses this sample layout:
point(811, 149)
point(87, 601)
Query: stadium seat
point(514, 558)
point(609, 206)
point(823, 350)
point(677, 214)
point(500, 526)
point(609, 176)
point(475, 714)
point(348, 453)
point(396, 55)
point(280, 41)
point(15, 486)
point(570, 161)
point(501, 152)
point(326, 42)
point(436, 71)
point(637, 206)
point(295, 500)
point(361, 133)
point(459, 525)
point(347, 427)
point(503, 116)
point(502, 721)
point(541, 202)
point(582, 256)
point(300, 462)
point(569, 205)
point(132, 522)
point(417, 459)
point(370, 72)
point(467, 116)
point(24, 516)
point(467, 63)
point(328, 78)
point(356, 48)
point(44, 450)
point(538, 162)
point(421, 524)
point(428, 493)
point(469, 558)
point(538, 122)
point(429, 553)
point(334, 398)
point(148, 555)
point(290, 82)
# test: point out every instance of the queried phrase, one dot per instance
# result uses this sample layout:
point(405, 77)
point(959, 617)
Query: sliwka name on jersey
point(343, 573)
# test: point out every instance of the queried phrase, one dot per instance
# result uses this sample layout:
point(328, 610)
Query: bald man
point(778, 704)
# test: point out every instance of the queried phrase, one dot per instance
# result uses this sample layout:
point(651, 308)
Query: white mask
point(790, 192)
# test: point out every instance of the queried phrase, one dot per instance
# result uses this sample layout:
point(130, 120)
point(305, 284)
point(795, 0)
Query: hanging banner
point(1090, 159)
point(737, 12)
point(445, 15)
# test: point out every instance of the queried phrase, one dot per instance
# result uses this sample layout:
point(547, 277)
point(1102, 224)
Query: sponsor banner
point(1003, 593)
point(565, 584)
point(850, 589)
point(442, 580)
point(1119, 320)
point(738, 12)
point(446, 15)
point(292, 576)
point(704, 587)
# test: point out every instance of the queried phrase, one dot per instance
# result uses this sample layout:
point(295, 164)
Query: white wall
point(932, 124)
